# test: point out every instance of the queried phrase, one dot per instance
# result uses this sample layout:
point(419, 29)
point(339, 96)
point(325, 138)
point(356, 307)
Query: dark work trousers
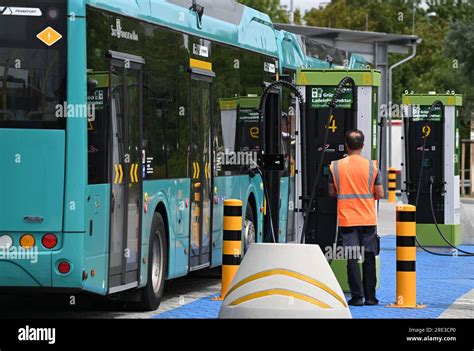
point(354, 240)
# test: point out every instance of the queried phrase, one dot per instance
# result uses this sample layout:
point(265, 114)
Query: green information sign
point(421, 113)
point(320, 96)
point(249, 115)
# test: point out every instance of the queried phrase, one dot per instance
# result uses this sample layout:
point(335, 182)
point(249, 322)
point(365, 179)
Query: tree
point(459, 47)
point(384, 16)
point(445, 58)
point(277, 12)
point(298, 17)
point(433, 67)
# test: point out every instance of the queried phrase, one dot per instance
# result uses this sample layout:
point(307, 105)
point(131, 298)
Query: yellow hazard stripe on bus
point(118, 173)
point(200, 64)
point(291, 274)
point(134, 173)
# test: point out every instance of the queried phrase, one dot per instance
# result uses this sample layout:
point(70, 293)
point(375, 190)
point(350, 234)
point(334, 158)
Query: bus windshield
point(33, 54)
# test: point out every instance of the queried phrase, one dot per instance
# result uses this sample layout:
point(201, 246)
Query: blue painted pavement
point(440, 281)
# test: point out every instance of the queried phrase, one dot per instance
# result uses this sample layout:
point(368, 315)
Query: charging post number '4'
point(332, 124)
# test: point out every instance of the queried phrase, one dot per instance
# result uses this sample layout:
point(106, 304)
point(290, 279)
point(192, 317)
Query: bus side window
point(97, 132)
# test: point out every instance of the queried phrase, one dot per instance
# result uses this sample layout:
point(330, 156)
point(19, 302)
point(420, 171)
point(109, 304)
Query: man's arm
point(331, 188)
point(378, 191)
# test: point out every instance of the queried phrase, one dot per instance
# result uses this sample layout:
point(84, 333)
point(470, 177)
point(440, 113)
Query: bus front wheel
point(157, 256)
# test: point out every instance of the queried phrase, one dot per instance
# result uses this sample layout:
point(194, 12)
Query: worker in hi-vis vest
point(357, 184)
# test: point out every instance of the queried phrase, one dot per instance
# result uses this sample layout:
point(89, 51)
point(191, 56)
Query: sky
point(304, 5)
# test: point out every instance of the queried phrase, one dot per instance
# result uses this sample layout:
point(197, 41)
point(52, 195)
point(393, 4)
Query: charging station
point(318, 87)
point(431, 145)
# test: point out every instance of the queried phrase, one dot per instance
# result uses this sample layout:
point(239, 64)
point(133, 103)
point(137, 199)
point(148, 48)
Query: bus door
point(200, 170)
point(125, 157)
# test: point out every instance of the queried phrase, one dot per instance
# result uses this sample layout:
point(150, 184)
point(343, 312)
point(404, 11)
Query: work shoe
point(371, 302)
point(356, 301)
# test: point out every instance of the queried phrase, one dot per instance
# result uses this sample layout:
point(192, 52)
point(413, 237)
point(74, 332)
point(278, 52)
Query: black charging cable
point(435, 104)
point(347, 81)
point(263, 100)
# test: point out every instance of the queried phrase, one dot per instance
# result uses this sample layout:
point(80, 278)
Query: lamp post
point(292, 12)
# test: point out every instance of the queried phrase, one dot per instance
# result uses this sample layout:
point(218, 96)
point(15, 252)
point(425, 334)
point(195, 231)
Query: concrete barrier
point(284, 281)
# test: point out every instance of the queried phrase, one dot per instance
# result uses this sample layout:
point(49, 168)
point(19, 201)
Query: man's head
point(354, 140)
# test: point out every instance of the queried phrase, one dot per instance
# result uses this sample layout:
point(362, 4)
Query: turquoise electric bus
point(112, 114)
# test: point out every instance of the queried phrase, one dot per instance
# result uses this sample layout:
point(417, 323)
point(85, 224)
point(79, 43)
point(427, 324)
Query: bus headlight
point(27, 241)
point(6, 242)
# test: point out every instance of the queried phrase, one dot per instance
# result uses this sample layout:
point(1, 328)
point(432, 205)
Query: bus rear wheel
point(250, 232)
point(157, 258)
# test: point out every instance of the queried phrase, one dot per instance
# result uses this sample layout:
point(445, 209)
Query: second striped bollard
point(406, 258)
point(392, 185)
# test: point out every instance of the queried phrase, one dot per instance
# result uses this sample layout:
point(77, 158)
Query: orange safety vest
point(354, 179)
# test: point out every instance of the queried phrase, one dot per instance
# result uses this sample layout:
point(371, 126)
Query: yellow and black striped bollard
point(232, 245)
point(392, 185)
point(406, 258)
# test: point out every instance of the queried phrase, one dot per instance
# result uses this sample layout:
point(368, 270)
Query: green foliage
point(278, 13)
point(298, 17)
point(382, 16)
point(445, 57)
point(460, 44)
point(459, 47)
point(446, 36)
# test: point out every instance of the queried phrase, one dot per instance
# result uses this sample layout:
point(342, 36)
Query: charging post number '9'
point(426, 131)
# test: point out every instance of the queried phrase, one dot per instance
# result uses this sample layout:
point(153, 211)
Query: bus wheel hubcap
point(249, 234)
point(156, 270)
